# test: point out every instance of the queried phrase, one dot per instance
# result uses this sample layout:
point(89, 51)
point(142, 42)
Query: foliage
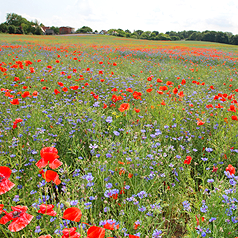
point(3, 28)
point(84, 29)
point(11, 29)
point(55, 29)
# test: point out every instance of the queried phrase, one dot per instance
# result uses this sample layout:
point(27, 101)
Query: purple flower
point(116, 133)
point(109, 119)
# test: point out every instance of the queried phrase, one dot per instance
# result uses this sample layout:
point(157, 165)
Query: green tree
point(145, 35)
point(134, 35)
point(111, 31)
point(175, 38)
point(3, 28)
point(195, 36)
point(221, 37)
point(156, 32)
point(84, 29)
point(163, 36)
point(38, 31)
point(152, 36)
point(15, 20)
point(128, 35)
point(139, 32)
point(128, 31)
point(209, 36)
point(11, 29)
point(234, 40)
point(24, 28)
point(121, 33)
point(55, 29)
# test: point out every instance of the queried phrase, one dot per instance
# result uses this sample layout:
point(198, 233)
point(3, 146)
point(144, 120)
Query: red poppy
point(35, 93)
point(183, 81)
point(56, 91)
point(136, 110)
point(188, 160)
point(65, 89)
point(169, 83)
point(25, 94)
point(1, 207)
point(74, 87)
point(45, 236)
point(110, 226)
point(181, 94)
point(19, 216)
point(5, 184)
point(132, 236)
point(160, 92)
point(129, 90)
point(60, 84)
point(15, 101)
point(130, 175)
point(72, 214)
point(51, 175)
point(70, 233)
point(199, 122)
point(104, 106)
point(163, 88)
point(231, 169)
point(96, 232)
point(234, 118)
point(148, 90)
point(15, 122)
point(163, 103)
point(137, 95)
point(214, 169)
point(49, 154)
point(47, 209)
point(124, 107)
point(114, 64)
point(175, 90)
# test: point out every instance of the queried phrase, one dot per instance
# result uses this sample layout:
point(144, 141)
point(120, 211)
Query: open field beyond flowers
point(109, 137)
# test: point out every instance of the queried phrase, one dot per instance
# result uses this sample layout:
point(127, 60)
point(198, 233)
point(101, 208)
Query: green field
point(123, 137)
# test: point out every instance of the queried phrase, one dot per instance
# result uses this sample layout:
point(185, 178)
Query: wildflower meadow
point(109, 137)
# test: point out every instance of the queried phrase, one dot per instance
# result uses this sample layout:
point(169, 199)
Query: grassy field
point(114, 137)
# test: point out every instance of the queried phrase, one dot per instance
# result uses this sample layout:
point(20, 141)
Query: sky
point(146, 15)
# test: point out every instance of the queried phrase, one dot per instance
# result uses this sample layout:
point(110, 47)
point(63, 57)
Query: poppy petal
point(5, 219)
point(5, 171)
point(20, 223)
point(6, 186)
point(51, 176)
point(73, 214)
point(55, 164)
point(42, 163)
point(52, 150)
point(96, 232)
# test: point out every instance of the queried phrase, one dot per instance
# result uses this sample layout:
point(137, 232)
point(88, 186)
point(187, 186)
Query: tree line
point(211, 36)
point(16, 24)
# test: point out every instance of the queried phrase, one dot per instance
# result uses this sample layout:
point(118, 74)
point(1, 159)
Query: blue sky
point(162, 16)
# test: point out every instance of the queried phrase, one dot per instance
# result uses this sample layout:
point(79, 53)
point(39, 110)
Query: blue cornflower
point(209, 149)
point(108, 185)
point(109, 119)
point(116, 133)
point(74, 202)
point(210, 180)
point(142, 209)
point(37, 230)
